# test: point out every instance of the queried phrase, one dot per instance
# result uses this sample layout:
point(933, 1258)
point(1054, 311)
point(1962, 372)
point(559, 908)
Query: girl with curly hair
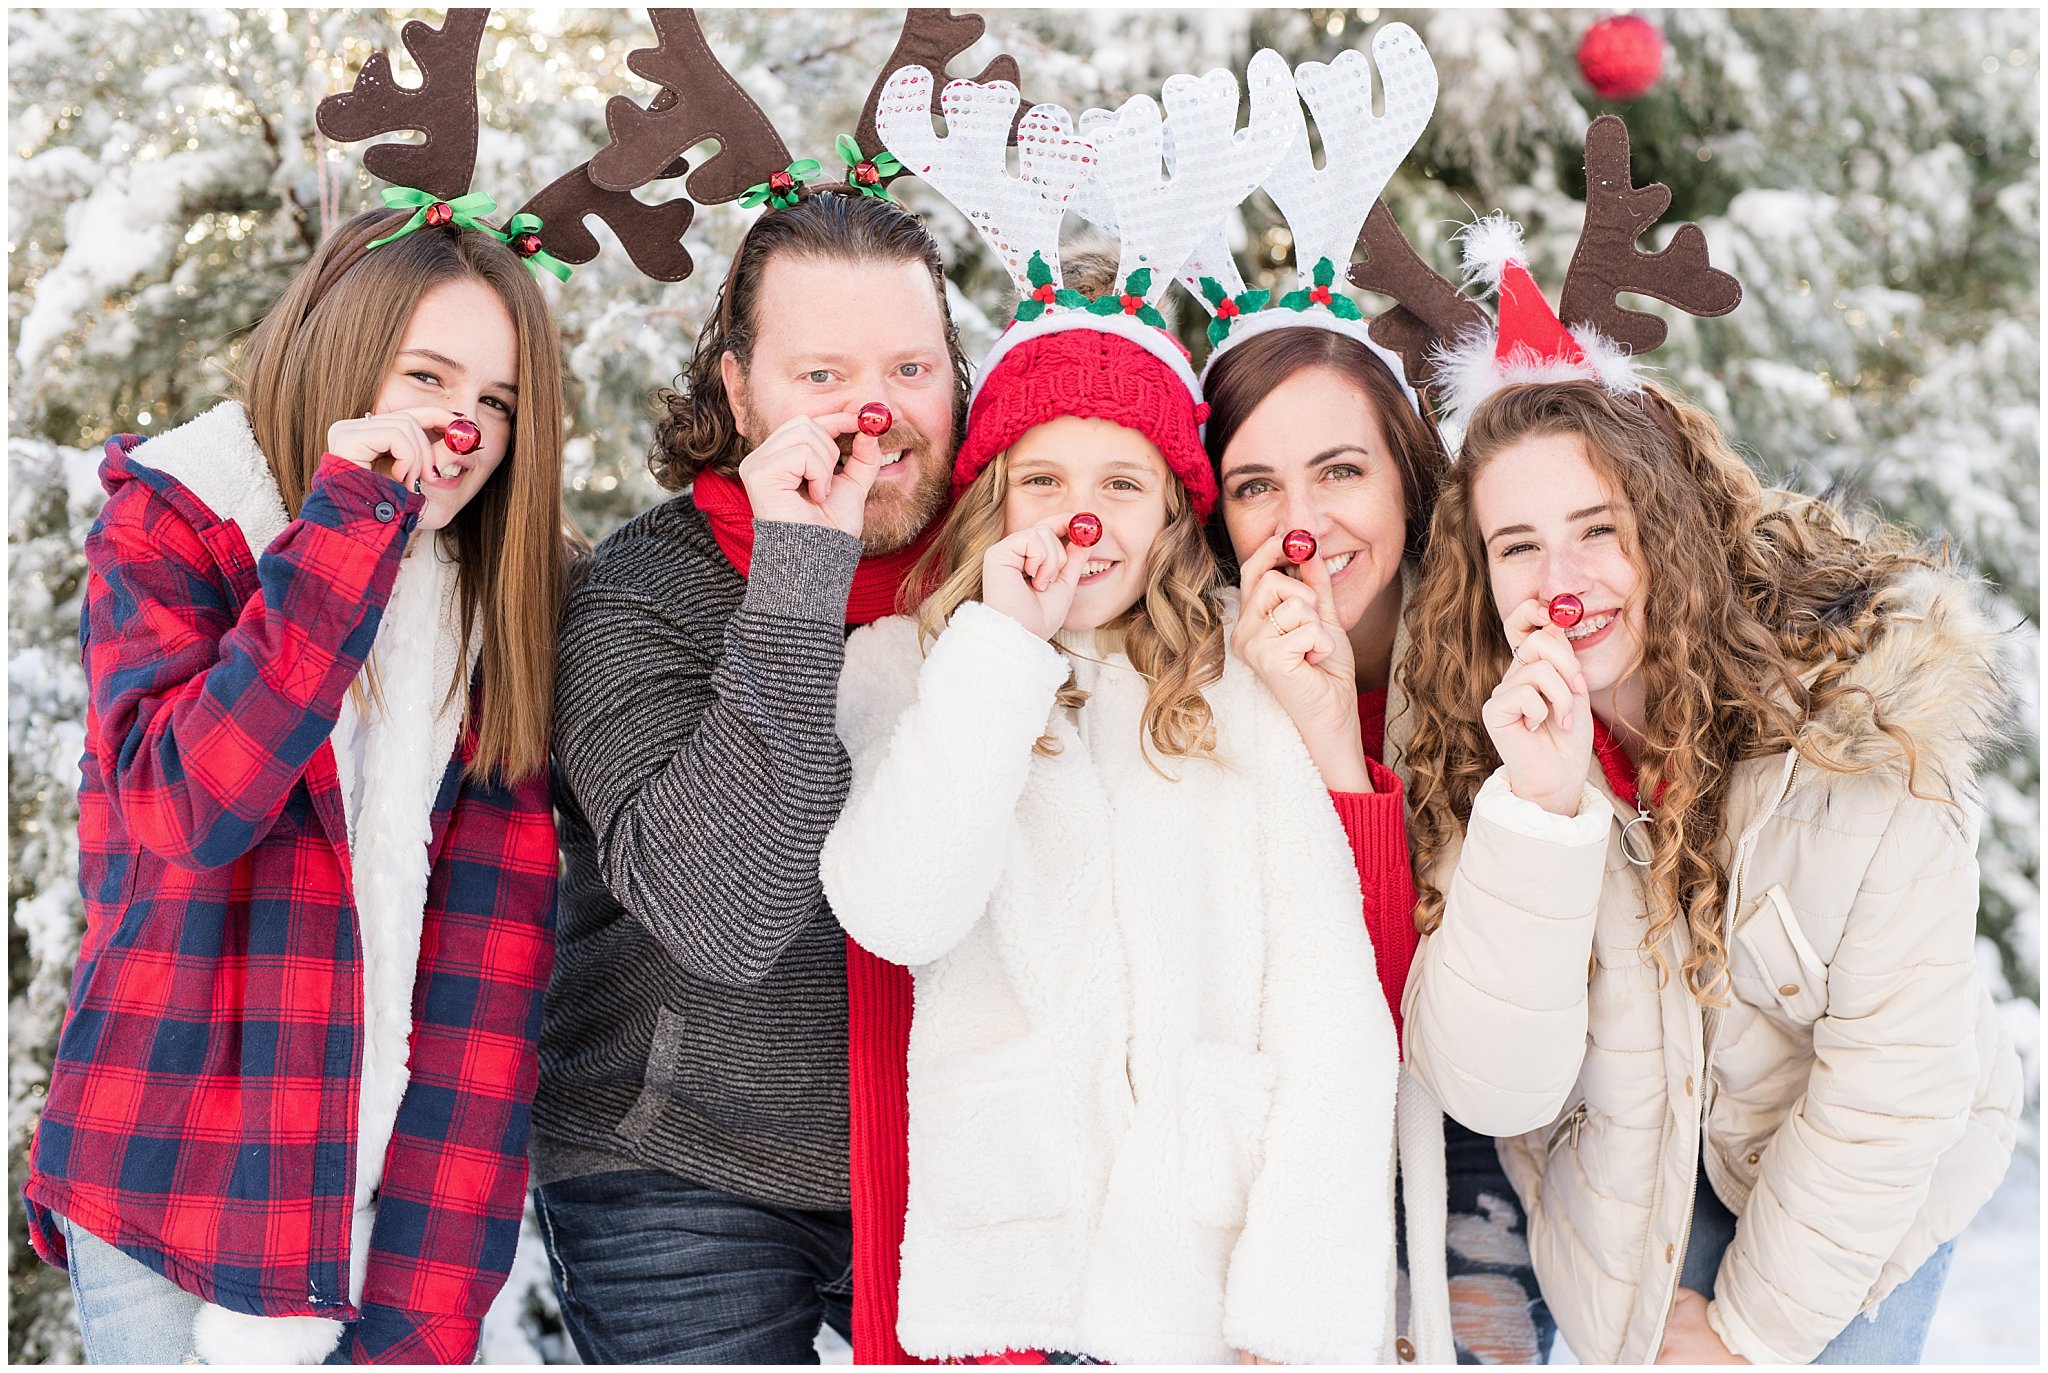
point(1693, 775)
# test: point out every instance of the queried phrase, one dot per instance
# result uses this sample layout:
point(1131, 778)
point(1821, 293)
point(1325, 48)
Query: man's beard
point(894, 518)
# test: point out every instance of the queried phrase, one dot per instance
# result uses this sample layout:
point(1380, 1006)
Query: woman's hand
point(1031, 575)
point(1245, 1356)
point(1687, 1336)
point(794, 475)
point(1287, 633)
point(1539, 717)
point(397, 444)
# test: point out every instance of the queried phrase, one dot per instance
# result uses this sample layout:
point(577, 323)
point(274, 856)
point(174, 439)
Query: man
point(690, 1132)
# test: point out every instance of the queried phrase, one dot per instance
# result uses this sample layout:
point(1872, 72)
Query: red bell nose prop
point(1299, 545)
point(461, 436)
point(1084, 529)
point(874, 419)
point(1566, 610)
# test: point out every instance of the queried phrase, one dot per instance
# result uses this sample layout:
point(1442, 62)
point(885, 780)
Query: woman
point(1310, 428)
point(287, 1120)
point(1692, 774)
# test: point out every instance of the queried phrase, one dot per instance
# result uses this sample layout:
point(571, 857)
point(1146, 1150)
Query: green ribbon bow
point(525, 223)
point(802, 171)
point(885, 162)
point(467, 209)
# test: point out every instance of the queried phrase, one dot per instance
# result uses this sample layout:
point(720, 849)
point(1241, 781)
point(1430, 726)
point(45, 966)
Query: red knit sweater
point(878, 1004)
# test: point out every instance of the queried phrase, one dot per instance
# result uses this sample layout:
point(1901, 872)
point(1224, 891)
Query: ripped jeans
point(1497, 1311)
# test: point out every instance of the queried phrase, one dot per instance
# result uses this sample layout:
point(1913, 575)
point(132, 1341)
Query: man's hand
point(795, 477)
point(1687, 1336)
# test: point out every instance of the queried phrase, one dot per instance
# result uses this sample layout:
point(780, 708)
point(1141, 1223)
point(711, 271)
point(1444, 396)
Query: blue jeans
point(1498, 1314)
point(652, 1269)
point(130, 1313)
point(1894, 1333)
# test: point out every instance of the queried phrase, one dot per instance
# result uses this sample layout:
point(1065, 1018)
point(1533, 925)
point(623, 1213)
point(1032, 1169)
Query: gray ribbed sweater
point(696, 1021)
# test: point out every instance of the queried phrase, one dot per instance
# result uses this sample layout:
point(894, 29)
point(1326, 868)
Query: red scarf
point(876, 582)
point(1619, 767)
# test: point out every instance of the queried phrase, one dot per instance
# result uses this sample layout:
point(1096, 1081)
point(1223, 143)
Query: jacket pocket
point(1774, 966)
point(1225, 1095)
point(991, 1135)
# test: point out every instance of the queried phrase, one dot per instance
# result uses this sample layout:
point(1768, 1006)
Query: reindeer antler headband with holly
point(1592, 336)
point(1327, 208)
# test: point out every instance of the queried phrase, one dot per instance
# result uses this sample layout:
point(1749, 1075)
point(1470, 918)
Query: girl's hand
point(1539, 717)
point(1687, 1336)
point(1244, 1356)
point(1031, 575)
point(794, 475)
point(1287, 632)
point(397, 444)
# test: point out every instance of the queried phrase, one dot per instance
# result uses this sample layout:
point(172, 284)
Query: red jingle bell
point(1084, 530)
point(526, 244)
point(874, 419)
point(1299, 545)
point(781, 182)
point(461, 437)
point(1566, 610)
point(439, 213)
point(866, 173)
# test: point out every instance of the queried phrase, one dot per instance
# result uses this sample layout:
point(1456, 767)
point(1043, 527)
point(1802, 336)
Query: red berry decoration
point(526, 244)
point(1299, 545)
point(1621, 57)
point(874, 419)
point(1084, 530)
point(439, 213)
point(461, 437)
point(1566, 610)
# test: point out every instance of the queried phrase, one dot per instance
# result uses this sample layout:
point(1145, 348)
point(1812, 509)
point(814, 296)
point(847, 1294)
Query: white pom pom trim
point(1490, 244)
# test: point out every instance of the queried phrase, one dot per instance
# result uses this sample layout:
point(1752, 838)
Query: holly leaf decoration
point(1325, 272)
point(1107, 305)
point(1343, 307)
point(1070, 298)
point(1253, 301)
point(1028, 310)
point(1037, 272)
point(1148, 315)
point(1219, 329)
point(1295, 300)
point(1212, 290)
point(1140, 282)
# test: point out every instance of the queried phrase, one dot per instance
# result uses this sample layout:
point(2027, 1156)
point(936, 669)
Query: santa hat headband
point(1113, 165)
point(1590, 337)
point(1327, 209)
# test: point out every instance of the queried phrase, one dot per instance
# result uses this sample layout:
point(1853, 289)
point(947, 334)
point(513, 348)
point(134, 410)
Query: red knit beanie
point(1090, 373)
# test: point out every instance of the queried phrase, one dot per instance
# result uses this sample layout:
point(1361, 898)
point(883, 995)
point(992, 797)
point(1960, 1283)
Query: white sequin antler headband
point(1326, 208)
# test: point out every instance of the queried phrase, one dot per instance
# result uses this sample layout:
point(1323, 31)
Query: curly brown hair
point(695, 427)
point(1762, 602)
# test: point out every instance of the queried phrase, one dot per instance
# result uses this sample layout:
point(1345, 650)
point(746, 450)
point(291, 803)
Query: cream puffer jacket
point(1152, 1076)
point(1858, 1097)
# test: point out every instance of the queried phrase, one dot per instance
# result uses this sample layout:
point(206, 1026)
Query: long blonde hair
point(320, 355)
point(1173, 634)
point(1744, 599)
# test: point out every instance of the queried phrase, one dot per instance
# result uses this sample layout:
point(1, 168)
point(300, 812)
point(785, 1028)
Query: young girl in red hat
point(1151, 1071)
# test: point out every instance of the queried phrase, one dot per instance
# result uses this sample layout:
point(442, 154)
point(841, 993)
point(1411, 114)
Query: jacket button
point(1754, 1156)
point(1789, 989)
point(1405, 1348)
point(1688, 1084)
point(386, 511)
point(1670, 1252)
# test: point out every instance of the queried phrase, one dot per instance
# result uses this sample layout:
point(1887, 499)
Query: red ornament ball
point(1084, 530)
point(1621, 57)
point(1566, 610)
point(526, 244)
point(461, 436)
point(1299, 545)
point(874, 419)
point(439, 213)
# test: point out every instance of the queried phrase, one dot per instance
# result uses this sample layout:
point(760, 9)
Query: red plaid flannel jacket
point(201, 1113)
